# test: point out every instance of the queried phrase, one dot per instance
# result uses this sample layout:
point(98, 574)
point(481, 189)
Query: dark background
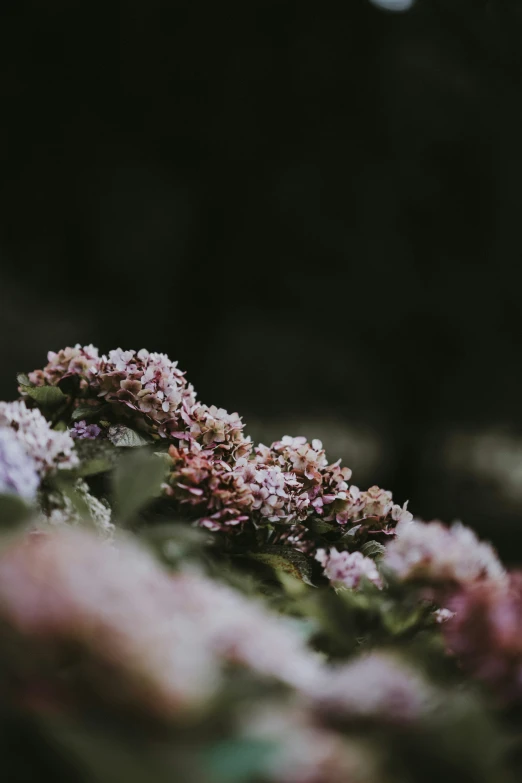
point(314, 207)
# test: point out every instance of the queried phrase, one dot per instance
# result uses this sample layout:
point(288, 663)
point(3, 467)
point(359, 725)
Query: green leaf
point(45, 396)
point(85, 412)
point(239, 760)
point(373, 549)
point(321, 527)
point(397, 618)
point(137, 479)
point(23, 379)
point(124, 437)
point(13, 511)
point(351, 532)
point(290, 561)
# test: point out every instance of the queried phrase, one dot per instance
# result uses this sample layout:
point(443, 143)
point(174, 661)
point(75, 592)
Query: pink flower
point(82, 362)
point(217, 493)
point(147, 385)
point(436, 553)
point(346, 569)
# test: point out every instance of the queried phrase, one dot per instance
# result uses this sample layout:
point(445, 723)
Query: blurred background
point(314, 207)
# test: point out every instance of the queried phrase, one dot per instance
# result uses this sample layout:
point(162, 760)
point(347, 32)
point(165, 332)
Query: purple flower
point(84, 431)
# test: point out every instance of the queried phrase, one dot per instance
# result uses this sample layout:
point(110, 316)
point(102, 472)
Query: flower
point(145, 640)
point(138, 650)
point(443, 615)
point(216, 492)
point(485, 634)
point(304, 751)
point(214, 429)
point(83, 431)
point(50, 449)
point(18, 474)
point(147, 384)
point(312, 486)
point(376, 686)
point(79, 361)
point(436, 553)
point(346, 569)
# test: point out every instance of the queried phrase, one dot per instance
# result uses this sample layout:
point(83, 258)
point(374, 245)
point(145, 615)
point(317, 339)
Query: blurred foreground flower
point(485, 634)
point(129, 634)
point(433, 552)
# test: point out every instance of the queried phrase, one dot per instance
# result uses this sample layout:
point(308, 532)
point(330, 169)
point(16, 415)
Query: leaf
point(96, 456)
point(397, 619)
point(239, 760)
point(351, 532)
point(137, 479)
point(123, 437)
point(85, 412)
point(13, 510)
point(321, 527)
point(45, 396)
point(23, 379)
point(373, 549)
point(290, 561)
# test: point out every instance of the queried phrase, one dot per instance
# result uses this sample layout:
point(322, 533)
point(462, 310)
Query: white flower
point(49, 449)
point(18, 474)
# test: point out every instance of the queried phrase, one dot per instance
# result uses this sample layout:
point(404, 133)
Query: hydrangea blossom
point(161, 640)
point(377, 686)
point(144, 383)
point(437, 553)
point(346, 569)
point(18, 474)
point(49, 448)
point(214, 429)
point(217, 493)
point(83, 431)
point(79, 361)
point(312, 486)
point(305, 751)
point(485, 634)
point(115, 606)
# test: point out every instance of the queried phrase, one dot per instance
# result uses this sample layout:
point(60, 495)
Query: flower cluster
point(376, 685)
point(149, 384)
point(485, 633)
point(307, 752)
point(218, 494)
point(18, 475)
point(83, 431)
point(164, 639)
point(433, 552)
point(215, 430)
point(315, 487)
point(50, 449)
point(346, 569)
point(77, 361)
